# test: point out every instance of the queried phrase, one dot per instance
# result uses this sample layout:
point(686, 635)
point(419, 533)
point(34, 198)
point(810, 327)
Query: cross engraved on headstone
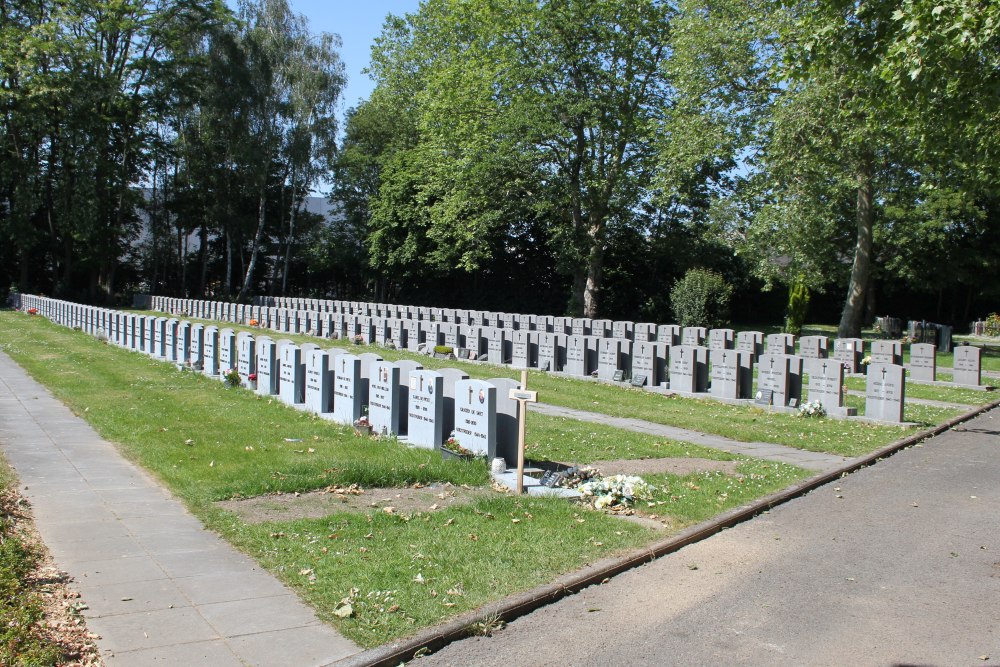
point(470, 395)
point(824, 369)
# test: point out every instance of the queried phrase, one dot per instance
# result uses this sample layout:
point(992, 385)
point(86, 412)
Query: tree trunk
point(851, 319)
point(261, 219)
point(578, 297)
point(595, 271)
point(228, 283)
point(203, 259)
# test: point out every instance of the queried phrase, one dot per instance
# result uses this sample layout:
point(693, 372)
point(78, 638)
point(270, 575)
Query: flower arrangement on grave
point(358, 340)
point(252, 377)
point(867, 360)
point(992, 325)
point(455, 447)
point(617, 492)
point(254, 323)
point(812, 409)
point(362, 422)
point(32, 311)
point(232, 377)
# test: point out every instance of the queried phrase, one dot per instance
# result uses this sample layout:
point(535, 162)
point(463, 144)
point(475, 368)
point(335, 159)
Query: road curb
point(433, 639)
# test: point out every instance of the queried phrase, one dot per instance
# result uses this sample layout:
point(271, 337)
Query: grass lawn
point(399, 572)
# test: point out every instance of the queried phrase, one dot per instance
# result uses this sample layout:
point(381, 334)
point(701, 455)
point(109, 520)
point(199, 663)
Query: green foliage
point(443, 349)
point(798, 308)
point(701, 298)
point(992, 327)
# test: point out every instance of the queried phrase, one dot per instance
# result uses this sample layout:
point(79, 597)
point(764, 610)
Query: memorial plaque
point(923, 362)
point(884, 392)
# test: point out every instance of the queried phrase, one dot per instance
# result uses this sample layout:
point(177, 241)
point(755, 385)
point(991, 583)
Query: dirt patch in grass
point(673, 466)
point(318, 504)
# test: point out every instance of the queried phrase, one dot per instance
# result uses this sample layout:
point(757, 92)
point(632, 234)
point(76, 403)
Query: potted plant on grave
point(363, 426)
point(452, 449)
point(358, 340)
point(252, 380)
point(232, 377)
point(443, 352)
point(253, 323)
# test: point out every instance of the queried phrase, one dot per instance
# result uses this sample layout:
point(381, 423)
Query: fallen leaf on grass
point(345, 611)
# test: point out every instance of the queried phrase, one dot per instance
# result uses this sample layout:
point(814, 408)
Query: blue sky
point(358, 22)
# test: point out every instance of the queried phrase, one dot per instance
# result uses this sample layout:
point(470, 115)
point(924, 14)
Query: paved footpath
point(764, 450)
point(895, 564)
point(160, 589)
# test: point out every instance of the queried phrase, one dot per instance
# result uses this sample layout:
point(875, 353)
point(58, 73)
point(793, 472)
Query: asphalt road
point(896, 564)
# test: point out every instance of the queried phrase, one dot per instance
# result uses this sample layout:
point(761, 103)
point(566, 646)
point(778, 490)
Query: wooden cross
point(523, 397)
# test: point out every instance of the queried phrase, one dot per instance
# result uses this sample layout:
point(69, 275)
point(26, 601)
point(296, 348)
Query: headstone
point(246, 363)
point(688, 369)
point(476, 417)
point(349, 389)
point(923, 362)
point(506, 419)
point(318, 383)
point(210, 352)
point(292, 383)
point(623, 330)
point(826, 384)
point(170, 340)
point(267, 366)
point(752, 342)
point(524, 348)
point(774, 372)
point(425, 409)
point(887, 352)
point(693, 336)
point(609, 357)
point(551, 351)
point(968, 366)
point(197, 350)
point(367, 359)
point(720, 339)
point(780, 343)
point(884, 392)
point(649, 361)
point(383, 398)
point(811, 349)
point(849, 352)
point(581, 354)
point(732, 373)
point(228, 352)
point(498, 345)
point(669, 334)
point(644, 332)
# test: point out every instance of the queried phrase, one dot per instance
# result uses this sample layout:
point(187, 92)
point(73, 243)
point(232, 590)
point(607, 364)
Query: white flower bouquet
point(616, 491)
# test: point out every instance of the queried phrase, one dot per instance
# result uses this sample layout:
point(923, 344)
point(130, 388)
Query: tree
point(537, 109)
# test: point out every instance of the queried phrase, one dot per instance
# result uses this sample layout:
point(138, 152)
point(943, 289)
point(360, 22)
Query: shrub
point(443, 349)
point(701, 298)
point(798, 307)
point(992, 327)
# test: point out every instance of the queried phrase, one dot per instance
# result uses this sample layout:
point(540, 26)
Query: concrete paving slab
point(160, 589)
point(216, 653)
